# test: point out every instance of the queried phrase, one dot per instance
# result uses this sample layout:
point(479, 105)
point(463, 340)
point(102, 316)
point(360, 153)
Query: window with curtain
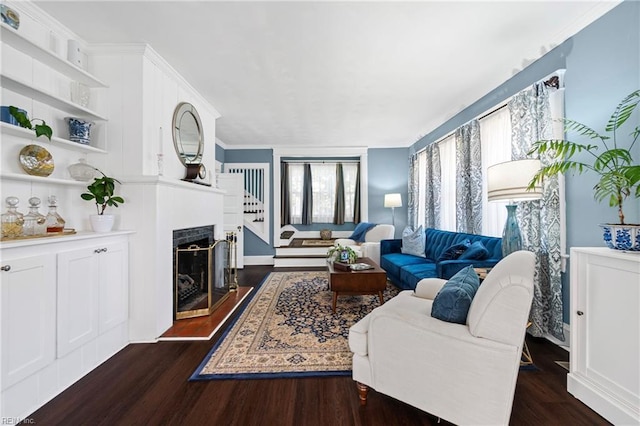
point(323, 177)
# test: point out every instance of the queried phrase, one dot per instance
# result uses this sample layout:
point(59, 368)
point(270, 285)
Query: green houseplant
point(335, 254)
point(102, 192)
point(610, 158)
point(23, 120)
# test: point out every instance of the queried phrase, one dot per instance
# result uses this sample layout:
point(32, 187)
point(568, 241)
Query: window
point(323, 180)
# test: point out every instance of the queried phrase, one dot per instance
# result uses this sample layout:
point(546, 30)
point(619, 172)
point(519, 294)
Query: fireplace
point(201, 271)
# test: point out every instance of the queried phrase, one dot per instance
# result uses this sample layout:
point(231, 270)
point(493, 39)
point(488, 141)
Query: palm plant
point(619, 175)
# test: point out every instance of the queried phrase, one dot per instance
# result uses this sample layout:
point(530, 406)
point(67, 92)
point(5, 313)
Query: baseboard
point(567, 338)
point(258, 260)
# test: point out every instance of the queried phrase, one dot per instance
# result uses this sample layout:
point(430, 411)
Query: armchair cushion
point(413, 241)
point(454, 251)
point(454, 299)
point(476, 251)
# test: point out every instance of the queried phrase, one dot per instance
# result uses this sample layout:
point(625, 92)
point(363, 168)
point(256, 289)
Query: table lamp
point(393, 201)
point(509, 181)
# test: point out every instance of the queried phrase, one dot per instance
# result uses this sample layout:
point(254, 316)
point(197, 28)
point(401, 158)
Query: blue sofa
point(405, 270)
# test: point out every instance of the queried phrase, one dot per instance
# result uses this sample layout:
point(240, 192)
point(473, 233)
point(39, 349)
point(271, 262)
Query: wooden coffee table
point(369, 281)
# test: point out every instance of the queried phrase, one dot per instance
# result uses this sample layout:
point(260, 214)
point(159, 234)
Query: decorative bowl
point(621, 237)
point(36, 160)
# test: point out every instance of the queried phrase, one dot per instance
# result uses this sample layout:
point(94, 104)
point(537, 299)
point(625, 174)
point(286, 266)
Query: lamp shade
point(509, 180)
point(392, 200)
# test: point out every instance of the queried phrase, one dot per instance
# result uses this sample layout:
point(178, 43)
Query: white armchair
point(371, 246)
point(463, 373)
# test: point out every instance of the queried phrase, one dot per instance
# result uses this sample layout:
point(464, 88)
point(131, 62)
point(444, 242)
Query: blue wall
point(388, 173)
point(603, 66)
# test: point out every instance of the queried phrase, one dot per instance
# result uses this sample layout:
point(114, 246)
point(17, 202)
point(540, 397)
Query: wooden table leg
point(381, 297)
point(335, 299)
point(363, 390)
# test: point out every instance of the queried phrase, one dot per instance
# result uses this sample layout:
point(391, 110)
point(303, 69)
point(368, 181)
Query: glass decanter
point(34, 222)
point(54, 222)
point(12, 220)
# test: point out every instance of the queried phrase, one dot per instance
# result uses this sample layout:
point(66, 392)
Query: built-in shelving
point(17, 41)
point(48, 98)
point(9, 129)
point(40, 179)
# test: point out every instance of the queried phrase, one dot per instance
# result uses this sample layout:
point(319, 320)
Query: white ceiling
point(376, 74)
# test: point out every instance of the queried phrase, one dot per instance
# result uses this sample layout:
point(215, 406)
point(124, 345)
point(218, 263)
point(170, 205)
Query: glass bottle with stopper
point(12, 220)
point(34, 222)
point(54, 222)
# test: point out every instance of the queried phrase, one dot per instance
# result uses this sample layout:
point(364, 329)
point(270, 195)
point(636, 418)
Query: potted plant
point(102, 191)
point(611, 160)
point(344, 254)
point(23, 120)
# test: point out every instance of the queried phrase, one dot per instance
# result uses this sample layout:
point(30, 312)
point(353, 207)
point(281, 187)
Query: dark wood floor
point(146, 384)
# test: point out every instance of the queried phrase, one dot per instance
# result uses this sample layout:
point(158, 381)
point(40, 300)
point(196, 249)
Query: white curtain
point(448, 183)
point(350, 175)
point(296, 178)
point(495, 138)
point(323, 177)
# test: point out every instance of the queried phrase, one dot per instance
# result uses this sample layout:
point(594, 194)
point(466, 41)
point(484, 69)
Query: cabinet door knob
point(5, 268)
point(580, 313)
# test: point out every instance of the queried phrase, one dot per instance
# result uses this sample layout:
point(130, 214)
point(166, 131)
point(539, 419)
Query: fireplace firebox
point(202, 272)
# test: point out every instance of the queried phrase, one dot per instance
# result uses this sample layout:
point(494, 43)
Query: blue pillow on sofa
point(453, 301)
point(455, 251)
point(360, 231)
point(476, 251)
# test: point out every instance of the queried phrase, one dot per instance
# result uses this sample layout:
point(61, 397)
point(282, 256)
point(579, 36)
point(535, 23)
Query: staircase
point(256, 196)
point(298, 257)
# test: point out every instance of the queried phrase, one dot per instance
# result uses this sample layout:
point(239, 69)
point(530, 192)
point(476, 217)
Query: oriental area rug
point(288, 329)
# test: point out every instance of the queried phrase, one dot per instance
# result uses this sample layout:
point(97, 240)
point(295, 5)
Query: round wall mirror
point(187, 134)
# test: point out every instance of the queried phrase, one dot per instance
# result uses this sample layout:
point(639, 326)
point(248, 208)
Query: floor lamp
point(509, 181)
point(393, 201)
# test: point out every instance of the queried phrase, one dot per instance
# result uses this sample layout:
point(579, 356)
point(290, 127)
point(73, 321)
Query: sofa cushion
point(394, 262)
point(476, 251)
point(454, 251)
point(454, 299)
point(413, 241)
point(410, 275)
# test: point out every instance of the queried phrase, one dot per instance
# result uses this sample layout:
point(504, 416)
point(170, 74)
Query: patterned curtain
point(412, 192)
point(356, 198)
point(540, 219)
point(432, 194)
point(307, 196)
point(285, 202)
point(338, 206)
point(468, 178)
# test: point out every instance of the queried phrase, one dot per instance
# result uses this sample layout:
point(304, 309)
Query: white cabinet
point(28, 316)
point(64, 311)
point(605, 332)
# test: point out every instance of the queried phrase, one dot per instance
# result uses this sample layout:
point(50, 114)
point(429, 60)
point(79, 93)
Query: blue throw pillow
point(453, 301)
point(455, 251)
point(413, 241)
point(476, 251)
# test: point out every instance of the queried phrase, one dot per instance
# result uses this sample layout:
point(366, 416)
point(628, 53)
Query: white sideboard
point(64, 311)
point(605, 332)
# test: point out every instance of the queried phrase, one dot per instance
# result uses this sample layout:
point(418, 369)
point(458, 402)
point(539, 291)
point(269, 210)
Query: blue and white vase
point(79, 130)
point(621, 237)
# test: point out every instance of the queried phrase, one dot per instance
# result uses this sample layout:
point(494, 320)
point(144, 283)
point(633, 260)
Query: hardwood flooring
point(146, 384)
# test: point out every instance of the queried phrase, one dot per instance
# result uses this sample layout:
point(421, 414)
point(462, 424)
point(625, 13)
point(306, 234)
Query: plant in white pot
point(611, 159)
point(102, 192)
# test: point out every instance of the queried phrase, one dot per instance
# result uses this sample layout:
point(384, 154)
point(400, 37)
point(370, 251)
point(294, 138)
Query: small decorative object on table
point(79, 130)
point(342, 254)
point(360, 266)
point(34, 222)
point(10, 16)
point(325, 234)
